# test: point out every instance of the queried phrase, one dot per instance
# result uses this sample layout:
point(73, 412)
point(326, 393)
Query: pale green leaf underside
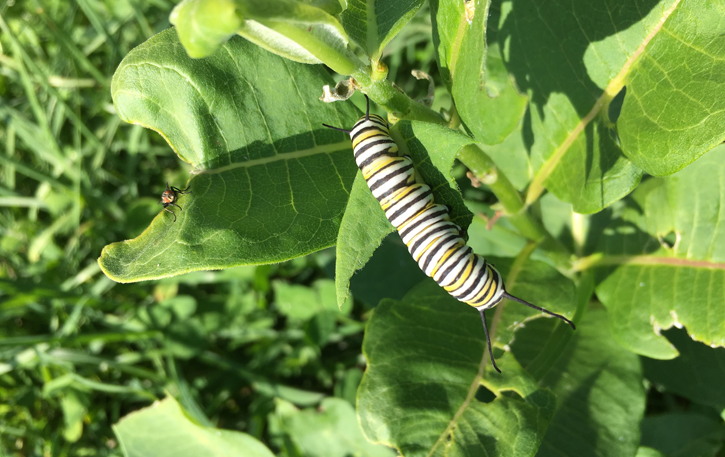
point(598, 385)
point(488, 103)
point(418, 394)
point(270, 183)
point(275, 25)
point(681, 285)
point(164, 430)
point(331, 430)
point(433, 149)
point(373, 23)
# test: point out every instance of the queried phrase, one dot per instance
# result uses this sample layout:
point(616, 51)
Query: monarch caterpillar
point(425, 227)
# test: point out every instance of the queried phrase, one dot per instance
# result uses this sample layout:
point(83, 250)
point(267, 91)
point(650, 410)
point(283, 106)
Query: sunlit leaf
point(669, 117)
point(671, 265)
point(331, 431)
point(572, 65)
point(269, 182)
point(165, 430)
point(488, 103)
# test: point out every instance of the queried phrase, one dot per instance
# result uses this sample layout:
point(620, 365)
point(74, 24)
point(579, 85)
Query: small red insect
point(170, 195)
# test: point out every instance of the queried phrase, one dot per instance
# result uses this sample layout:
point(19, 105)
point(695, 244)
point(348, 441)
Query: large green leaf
point(269, 182)
point(292, 29)
point(488, 103)
point(696, 374)
point(373, 23)
point(671, 115)
point(331, 431)
point(598, 385)
point(572, 64)
point(671, 264)
point(165, 430)
point(433, 149)
point(426, 356)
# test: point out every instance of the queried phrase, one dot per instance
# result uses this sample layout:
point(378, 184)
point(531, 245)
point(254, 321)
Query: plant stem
point(393, 101)
point(485, 171)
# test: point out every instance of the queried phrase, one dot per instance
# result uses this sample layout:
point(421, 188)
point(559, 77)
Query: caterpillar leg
point(488, 338)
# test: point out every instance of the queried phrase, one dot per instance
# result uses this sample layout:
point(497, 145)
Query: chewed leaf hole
point(484, 395)
point(670, 240)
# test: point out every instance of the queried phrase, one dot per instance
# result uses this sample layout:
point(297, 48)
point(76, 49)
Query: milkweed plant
point(577, 146)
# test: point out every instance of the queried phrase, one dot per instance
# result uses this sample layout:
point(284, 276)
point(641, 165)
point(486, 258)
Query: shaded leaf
point(164, 430)
point(425, 356)
point(485, 97)
point(390, 273)
point(331, 431)
point(683, 435)
point(669, 116)
point(598, 386)
point(270, 183)
point(696, 374)
point(658, 285)
point(373, 23)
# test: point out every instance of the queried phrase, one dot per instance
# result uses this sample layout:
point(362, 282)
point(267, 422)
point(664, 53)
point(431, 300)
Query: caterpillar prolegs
point(426, 228)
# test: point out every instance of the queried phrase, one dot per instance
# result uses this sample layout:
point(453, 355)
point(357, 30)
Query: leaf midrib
point(536, 188)
point(645, 260)
point(319, 149)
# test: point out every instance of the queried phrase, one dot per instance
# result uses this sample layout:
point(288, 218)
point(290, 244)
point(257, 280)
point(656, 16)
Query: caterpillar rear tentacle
point(433, 240)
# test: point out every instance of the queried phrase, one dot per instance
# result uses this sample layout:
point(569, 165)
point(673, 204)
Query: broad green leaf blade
point(373, 23)
point(671, 114)
point(684, 434)
point(331, 431)
point(294, 30)
point(696, 374)
point(598, 385)
point(433, 149)
point(270, 183)
point(658, 285)
point(485, 97)
point(426, 356)
point(572, 63)
point(165, 430)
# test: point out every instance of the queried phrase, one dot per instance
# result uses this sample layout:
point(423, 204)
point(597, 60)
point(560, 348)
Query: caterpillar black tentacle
point(433, 240)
